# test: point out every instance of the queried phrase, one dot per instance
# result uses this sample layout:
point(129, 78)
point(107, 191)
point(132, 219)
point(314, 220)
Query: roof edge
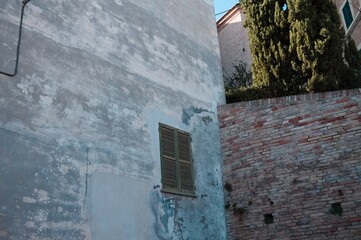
point(229, 15)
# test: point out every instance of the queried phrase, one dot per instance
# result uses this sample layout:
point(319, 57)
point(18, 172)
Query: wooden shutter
point(185, 162)
point(176, 161)
point(168, 155)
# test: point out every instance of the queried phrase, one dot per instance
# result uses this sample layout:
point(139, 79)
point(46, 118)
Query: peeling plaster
point(188, 113)
point(79, 140)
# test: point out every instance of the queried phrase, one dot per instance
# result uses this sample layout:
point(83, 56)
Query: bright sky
point(223, 5)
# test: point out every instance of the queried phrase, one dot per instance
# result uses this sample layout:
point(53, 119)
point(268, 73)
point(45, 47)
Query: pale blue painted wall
point(79, 148)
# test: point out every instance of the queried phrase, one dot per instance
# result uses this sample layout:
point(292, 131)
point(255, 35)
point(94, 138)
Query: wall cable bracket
point(19, 40)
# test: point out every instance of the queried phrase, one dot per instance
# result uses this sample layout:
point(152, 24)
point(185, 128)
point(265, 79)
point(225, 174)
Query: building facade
point(80, 142)
point(233, 40)
point(350, 15)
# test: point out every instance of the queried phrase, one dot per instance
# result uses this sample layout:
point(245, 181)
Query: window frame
point(343, 16)
point(178, 190)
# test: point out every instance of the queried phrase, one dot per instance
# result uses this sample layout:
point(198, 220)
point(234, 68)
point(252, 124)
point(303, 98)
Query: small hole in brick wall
point(336, 209)
point(340, 192)
point(228, 187)
point(268, 218)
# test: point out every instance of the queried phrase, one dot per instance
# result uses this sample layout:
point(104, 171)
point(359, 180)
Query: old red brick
point(342, 100)
point(351, 105)
point(294, 166)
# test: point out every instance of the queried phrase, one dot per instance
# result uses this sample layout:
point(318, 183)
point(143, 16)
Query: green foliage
point(266, 21)
point(241, 77)
point(315, 47)
point(352, 74)
point(250, 93)
point(296, 50)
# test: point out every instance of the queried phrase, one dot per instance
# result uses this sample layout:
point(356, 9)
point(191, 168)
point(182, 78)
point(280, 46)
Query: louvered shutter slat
point(169, 173)
point(169, 165)
point(186, 177)
point(183, 146)
point(185, 167)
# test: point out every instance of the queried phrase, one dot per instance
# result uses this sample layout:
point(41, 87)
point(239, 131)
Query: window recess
point(176, 161)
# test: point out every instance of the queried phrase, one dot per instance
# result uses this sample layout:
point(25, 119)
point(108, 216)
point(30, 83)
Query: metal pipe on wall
point(19, 41)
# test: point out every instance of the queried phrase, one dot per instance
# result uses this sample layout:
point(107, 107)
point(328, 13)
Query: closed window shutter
point(176, 161)
point(185, 164)
point(169, 163)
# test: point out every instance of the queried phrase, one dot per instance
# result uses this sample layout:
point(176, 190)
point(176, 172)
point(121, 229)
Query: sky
point(223, 5)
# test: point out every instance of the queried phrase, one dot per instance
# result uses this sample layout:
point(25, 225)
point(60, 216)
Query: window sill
point(192, 195)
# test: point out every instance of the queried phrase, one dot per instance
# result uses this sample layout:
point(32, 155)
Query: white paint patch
point(97, 6)
point(61, 226)
point(7, 46)
point(41, 216)
point(42, 196)
point(46, 100)
point(135, 120)
point(29, 200)
point(64, 169)
point(24, 88)
point(93, 102)
point(170, 224)
point(49, 90)
point(34, 10)
point(30, 224)
point(119, 2)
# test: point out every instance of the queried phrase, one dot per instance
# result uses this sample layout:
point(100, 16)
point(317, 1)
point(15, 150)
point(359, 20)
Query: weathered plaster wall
point(234, 43)
point(79, 147)
point(294, 157)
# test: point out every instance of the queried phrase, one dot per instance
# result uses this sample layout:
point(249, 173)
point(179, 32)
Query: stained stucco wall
point(79, 147)
point(234, 42)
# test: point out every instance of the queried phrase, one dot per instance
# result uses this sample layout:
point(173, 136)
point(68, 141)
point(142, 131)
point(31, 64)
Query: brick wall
point(297, 159)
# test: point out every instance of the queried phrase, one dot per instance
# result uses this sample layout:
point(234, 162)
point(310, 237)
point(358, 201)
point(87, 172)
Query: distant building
point(350, 15)
point(233, 39)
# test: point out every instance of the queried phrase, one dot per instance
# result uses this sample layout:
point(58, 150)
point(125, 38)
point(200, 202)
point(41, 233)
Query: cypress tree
point(316, 40)
point(351, 75)
point(267, 24)
point(299, 48)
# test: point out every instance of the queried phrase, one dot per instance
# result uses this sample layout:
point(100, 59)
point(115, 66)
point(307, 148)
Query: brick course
point(293, 157)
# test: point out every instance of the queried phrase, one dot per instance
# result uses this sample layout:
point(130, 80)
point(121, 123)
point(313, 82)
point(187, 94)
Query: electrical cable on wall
point(222, 12)
point(19, 40)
